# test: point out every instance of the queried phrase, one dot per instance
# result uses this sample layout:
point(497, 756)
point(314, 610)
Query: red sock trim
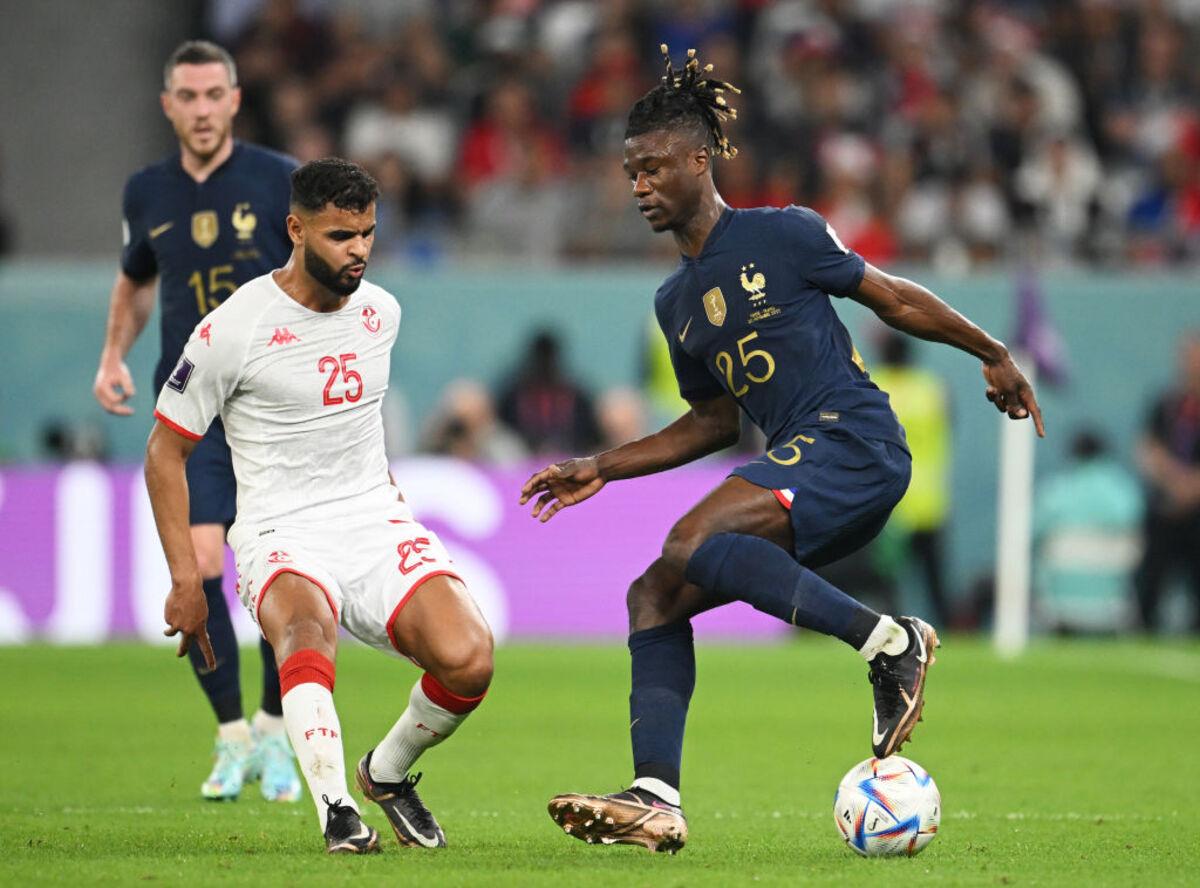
point(447, 699)
point(306, 667)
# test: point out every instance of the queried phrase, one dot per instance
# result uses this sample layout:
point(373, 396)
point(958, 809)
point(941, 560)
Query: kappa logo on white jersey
point(371, 321)
point(283, 336)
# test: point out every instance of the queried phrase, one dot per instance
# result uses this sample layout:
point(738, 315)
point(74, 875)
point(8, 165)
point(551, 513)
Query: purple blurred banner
point(80, 560)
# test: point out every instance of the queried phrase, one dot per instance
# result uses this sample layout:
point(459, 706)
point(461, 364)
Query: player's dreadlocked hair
point(686, 98)
point(334, 181)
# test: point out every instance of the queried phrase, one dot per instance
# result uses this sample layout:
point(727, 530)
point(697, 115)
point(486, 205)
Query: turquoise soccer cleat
point(277, 769)
point(229, 771)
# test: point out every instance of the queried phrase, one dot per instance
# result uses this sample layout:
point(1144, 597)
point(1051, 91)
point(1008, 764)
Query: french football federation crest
point(244, 222)
point(754, 286)
point(205, 228)
point(714, 306)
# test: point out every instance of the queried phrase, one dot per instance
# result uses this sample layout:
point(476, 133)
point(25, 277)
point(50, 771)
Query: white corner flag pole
point(1014, 530)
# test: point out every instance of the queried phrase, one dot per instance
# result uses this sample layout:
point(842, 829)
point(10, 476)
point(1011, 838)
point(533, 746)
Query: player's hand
point(562, 484)
point(1011, 392)
point(186, 614)
point(113, 387)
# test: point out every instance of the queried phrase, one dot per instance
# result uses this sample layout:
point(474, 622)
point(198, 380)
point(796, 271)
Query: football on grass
point(887, 807)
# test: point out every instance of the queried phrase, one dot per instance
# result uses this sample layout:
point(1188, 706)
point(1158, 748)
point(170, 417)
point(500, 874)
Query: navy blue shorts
point(840, 488)
point(212, 490)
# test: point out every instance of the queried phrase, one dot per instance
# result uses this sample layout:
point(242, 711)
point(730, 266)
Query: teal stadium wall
point(1120, 332)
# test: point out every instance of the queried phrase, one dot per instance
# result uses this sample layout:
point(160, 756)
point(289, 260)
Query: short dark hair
point(332, 180)
point(687, 98)
point(198, 52)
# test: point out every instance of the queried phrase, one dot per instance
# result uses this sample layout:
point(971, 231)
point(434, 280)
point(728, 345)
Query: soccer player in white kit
point(296, 364)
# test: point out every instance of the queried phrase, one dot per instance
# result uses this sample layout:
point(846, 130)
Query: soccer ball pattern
point(887, 807)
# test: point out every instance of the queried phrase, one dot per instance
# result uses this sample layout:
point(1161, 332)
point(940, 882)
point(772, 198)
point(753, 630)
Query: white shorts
point(368, 569)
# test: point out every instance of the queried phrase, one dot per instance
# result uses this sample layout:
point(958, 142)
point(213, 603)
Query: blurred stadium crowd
point(957, 133)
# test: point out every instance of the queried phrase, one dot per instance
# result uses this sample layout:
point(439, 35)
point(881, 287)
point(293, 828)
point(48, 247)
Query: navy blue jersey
point(751, 316)
point(204, 239)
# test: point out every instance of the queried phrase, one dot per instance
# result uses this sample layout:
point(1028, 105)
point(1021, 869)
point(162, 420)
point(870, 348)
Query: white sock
point(264, 723)
point(235, 732)
point(660, 788)
point(888, 637)
point(316, 735)
point(422, 725)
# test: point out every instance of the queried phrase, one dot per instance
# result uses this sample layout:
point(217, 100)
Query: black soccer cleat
point(345, 833)
point(900, 687)
point(413, 823)
point(632, 817)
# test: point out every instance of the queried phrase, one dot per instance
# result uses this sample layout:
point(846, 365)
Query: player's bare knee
point(648, 601)
point(208, 542)
point(681, 543)
point(466, 667)
point(210, 560)
point(303, 633)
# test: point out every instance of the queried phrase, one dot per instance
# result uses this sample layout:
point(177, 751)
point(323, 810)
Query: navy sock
point(271, 701)
point(221, 685)
point(664, 674)
point(750, 569)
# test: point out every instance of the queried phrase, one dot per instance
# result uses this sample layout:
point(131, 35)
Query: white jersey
point(300, 394)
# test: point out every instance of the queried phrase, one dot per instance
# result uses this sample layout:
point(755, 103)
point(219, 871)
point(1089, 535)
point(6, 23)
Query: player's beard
point(323, 273)
point(222, 136)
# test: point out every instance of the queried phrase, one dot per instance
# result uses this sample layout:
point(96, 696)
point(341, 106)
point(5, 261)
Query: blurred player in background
point(1170, 461)
point(922, 403)
point(750, 325)
point(199, 225)
point(297, 362)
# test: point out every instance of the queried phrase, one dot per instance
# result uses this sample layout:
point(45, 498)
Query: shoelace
point(422, 817)
point(227, 754)
point(885, 678)
point(276, 749)
point(336, 811)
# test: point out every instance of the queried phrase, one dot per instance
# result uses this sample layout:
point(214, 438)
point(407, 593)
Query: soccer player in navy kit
point(200, 224)
point(751, 327)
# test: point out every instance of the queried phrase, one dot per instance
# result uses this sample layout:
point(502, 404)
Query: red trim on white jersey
point(785, 498)
point(391, 623)
point(291, 570)
point(176, 427)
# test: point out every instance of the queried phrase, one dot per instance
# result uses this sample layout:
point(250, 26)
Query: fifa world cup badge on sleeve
point(180, 375)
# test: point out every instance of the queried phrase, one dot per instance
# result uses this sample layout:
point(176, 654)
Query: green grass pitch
point(1075, 764)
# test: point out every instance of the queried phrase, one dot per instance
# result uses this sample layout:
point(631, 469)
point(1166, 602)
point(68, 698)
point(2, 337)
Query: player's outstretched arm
point(912, 309)
point(709, 426)
point(186, 611)
point(128, 310)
